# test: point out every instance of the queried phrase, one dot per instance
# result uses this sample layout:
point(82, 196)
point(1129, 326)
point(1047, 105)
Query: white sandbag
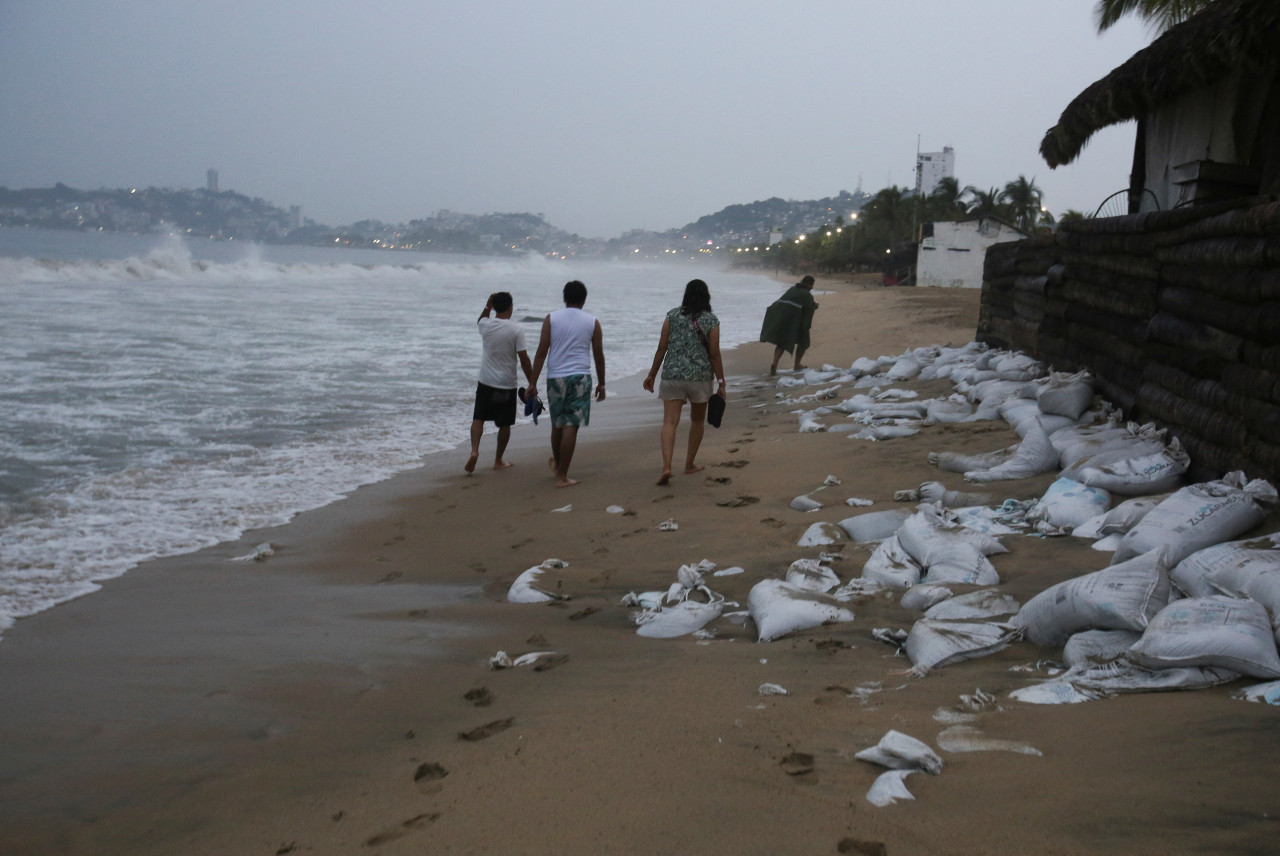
point(805, 503)
point(813, 377)
point(889, 787)
point(1128, 514)
point(996, 392)
point(1065, 505)
point(920, 598)
point(1219, 631)
point(875, 525)
point(525, 590)
point(1268, 693)
point(892, 566)
point(1020, 367)
point(685, 617)
point(1098, 646)
point(1035, 455)
point(962, 563)
point(1139, 475)
point(931, 531)
point(809, 424)
point(989, 521)
point(1023, 413)
point(1200, 515)
point(1101, 680)
point(864, 366)
point(1066, 394)
point(1248, 568)
point(934, 644)
point(1076, 443)
point(885, 432)
point(954, 462)
point(905, 368)
point(812, 575)
point(821, 534)
point(1121, 597)
point(858, 403)
point(983, 603)
point(936, 492)
point(1090, 528)
point(778, 609)
point(899, 751)
point(953, 408)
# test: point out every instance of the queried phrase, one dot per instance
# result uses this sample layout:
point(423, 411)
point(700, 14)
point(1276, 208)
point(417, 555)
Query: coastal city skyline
point(628, 119)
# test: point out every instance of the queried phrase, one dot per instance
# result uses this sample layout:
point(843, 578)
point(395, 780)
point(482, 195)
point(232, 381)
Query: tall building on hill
point(211, 179)
point(932, 167)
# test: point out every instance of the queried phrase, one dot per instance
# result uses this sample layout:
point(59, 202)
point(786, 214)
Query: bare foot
point(566, 482)
point(551, 462)
point(773, 369)
point(471, 463)
point(502, 465)
point(800, 368)
point(696, 468)
point(666, 477)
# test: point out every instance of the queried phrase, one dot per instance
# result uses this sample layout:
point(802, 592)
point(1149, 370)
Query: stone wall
point(1176, 313)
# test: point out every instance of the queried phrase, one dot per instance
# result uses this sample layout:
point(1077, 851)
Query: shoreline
point(313, 703)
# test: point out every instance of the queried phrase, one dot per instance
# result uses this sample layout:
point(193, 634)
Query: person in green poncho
point(787, 321)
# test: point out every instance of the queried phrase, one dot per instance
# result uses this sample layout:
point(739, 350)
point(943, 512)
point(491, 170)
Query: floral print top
point(687, 357)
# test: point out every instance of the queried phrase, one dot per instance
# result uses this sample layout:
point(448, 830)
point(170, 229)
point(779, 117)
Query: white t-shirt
point(503, 339)
point(571, 333)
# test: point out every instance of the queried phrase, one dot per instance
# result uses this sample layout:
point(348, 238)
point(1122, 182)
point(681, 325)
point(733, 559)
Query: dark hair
point(575, 293)
point(807, 282)
point(501, 301)
point(697, 298)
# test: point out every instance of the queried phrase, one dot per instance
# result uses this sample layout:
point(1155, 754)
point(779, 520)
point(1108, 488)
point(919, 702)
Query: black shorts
point(495, 405)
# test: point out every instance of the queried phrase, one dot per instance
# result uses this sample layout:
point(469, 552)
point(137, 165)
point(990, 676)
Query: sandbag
point(1066, 394)
point(954, 462)
point(1019, 367)
point(778, 609)
point(929, 532)
point(1216, 631)
point(812, 575)
point(983, 603)
point(864, 366)
point(1227, 568)
point(899, 751)
point(1090, 681)
point(1098, 646)
point(821, 534)
point(875, 525)
point(906, 367)
point(933, 644)
point(1128, 514)
point(1023, 413)
point(1035, 455)
point(936, 492)
point(892, 566)
point(1200, 515)
point(920, 598)
point(1065, 505)
point(670, 622)
point(1121, 597)
point(1152, 471)
point(953, 408)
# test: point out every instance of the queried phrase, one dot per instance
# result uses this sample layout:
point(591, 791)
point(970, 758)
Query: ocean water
point(159, 396)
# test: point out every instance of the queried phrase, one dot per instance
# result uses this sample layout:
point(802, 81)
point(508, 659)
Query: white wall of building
point(932, 167)
point(953, 257)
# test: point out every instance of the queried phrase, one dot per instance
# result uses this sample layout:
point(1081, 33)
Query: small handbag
point(715, 409)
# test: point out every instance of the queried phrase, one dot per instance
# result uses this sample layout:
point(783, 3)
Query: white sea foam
point(168, 398)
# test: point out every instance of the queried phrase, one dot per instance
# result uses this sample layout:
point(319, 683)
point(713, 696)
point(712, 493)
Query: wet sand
point(336, 698)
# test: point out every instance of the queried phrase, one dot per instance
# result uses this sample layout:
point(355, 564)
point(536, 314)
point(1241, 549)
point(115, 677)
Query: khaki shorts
point(693, 391)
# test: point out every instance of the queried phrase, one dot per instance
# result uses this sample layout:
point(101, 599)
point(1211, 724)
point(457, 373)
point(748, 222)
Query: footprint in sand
point(772, 521)
point(862, 848)
point(797, 764)
point(487, 730)
point(526, 542)
point(738, 501)
point(833, 694)
point(719, 480)
point(732, 450)
point(429, 772)
point(413, 824)
point(735, 464)
point(480, 697)
point(590, 610)
point(546, 664)
point(391, 577)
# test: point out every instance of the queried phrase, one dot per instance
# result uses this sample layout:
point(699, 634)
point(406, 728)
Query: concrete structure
point(211, 179)
point(932, 167)
point(952, 254)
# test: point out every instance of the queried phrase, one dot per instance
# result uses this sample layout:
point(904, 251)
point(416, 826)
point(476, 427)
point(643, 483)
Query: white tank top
point(571, 332)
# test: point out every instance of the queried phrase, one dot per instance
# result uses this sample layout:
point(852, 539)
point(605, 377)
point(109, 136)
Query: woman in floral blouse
point(689, 355)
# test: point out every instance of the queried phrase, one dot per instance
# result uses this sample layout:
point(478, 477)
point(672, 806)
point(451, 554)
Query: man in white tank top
point(571, 340)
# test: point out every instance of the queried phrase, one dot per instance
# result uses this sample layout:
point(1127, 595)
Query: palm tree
point(983, 203)
point(945, 203)
point(1024, 201)
point(1160, 15)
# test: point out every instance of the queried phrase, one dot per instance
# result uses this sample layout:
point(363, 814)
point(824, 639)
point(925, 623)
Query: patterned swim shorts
point(570, 399)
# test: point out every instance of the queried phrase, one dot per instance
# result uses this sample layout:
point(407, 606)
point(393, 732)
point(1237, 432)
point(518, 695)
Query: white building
point(952, 253)
point(932, 167)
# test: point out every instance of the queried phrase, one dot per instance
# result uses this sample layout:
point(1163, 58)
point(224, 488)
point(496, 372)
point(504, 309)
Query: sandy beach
point(336, 698)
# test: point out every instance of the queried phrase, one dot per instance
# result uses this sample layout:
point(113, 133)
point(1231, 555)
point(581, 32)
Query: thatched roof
point(1227, 36)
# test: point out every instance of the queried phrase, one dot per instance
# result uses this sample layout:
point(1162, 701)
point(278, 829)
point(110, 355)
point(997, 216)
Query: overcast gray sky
point(602, 116)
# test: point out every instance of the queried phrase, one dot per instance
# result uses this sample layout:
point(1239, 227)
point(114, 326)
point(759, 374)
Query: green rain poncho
point(787, 320)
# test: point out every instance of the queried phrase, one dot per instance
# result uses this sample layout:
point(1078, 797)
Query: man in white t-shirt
point(503, 341)
point(571, 340)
